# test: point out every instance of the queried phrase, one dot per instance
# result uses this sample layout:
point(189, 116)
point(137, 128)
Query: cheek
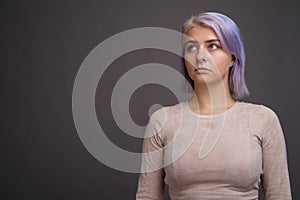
point(189, 67)
point(224, 62)
point(190, 61)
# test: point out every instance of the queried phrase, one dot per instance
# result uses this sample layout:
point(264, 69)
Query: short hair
point(231, 40)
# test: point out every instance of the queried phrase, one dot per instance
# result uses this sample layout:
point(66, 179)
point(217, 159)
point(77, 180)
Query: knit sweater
point(223, 156)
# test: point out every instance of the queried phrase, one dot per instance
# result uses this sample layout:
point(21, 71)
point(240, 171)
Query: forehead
point(200, 33)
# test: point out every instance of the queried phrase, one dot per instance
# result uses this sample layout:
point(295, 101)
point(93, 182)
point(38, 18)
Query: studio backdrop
point(72, 67)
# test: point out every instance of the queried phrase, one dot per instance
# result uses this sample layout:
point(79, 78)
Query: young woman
point(214, 146)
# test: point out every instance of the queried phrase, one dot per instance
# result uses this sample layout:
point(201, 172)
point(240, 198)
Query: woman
point(214, 146)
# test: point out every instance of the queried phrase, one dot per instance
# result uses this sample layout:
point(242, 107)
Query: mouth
point(202, 70)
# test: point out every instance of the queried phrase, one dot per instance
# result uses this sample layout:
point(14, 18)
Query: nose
point(201, 55)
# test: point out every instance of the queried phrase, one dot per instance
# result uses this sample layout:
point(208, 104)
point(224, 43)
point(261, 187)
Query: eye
point(213, 46)
point(191, 48)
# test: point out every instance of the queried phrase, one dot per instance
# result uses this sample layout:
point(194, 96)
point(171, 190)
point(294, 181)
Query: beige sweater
point(214, 157)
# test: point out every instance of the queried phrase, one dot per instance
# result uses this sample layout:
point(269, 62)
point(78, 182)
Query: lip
point(202, 70)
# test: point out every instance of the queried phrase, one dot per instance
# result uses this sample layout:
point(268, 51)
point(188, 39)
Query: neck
point(211, 100)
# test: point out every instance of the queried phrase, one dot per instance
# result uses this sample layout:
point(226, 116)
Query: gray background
point(42, 46)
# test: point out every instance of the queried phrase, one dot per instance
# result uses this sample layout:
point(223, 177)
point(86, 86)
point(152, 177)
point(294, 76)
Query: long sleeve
point(275, 177)
point(151, 179)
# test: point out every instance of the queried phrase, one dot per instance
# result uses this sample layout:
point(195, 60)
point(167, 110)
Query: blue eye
point(191, 48)
point(213, 46)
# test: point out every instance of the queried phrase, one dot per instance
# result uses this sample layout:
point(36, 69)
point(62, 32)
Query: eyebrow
point(212, 40)
point(207, 41)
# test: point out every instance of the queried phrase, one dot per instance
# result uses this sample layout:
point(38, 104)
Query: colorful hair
point(231, 40)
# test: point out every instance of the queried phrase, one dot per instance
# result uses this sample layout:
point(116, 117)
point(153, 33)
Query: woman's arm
point(275, 177)
point(151, 179)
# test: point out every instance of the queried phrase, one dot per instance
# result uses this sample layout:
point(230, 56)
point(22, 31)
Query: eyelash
point(190, 46)
point(211, 46)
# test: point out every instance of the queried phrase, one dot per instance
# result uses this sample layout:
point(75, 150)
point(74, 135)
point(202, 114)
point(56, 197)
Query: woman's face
point(205, 59)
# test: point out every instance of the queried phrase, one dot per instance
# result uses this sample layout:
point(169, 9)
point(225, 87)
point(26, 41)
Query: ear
point(232, 60)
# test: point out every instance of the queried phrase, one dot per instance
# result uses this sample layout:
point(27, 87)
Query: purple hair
point(231, 40)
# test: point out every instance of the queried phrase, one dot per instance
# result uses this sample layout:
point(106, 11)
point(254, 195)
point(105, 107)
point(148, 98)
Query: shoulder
point(259, 111)
point(262, 118)
point(164, 114)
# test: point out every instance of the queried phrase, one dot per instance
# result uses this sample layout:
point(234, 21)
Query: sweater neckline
point(187, 107)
